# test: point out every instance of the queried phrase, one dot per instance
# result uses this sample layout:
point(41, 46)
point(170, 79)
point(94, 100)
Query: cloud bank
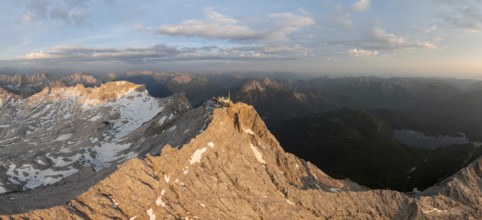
point(219, 26)
point(162, 53)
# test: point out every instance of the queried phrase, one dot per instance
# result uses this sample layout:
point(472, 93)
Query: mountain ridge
point(248, 175)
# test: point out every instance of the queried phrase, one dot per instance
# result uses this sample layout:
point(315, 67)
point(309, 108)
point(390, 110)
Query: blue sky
point(330, 37)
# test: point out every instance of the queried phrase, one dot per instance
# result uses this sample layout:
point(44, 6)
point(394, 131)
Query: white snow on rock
point(290, 202)
point(249, 131)
point(151, 214)
point(162, 120)
point(95, 118)
point(434, 210)
point(196, 156)
point(135, 109)
point(33, 178)
point(63, 161)
point(159, 201)
point(211, 144)
point(257, 154)
point(166, 178)
point(108, 152)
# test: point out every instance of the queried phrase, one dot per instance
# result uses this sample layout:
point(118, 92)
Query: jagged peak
point(80, 78)
point(253, 85)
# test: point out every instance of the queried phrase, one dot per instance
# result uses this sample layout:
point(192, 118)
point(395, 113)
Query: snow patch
point(335, 189)
point(249, 131)
point(290, 202)
point(211, 144)
point(171, 128)
point(166, 178)
point(95, 118)
point(159, 201)
point(151, 214)
point(196, 157)
point(109, 152)
point(63, 137)
point(257, 154)
point(162, 120)
point(434, 210)
point(33, 178)
point(115, 202)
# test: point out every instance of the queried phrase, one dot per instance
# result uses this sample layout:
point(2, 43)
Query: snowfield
point(54, 133)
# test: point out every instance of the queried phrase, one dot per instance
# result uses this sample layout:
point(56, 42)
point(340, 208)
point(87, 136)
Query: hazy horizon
point(431, 38)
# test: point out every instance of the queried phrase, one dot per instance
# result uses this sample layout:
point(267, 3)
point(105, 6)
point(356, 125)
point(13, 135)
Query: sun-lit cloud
point(389, 38)
point(361, 5)
point(385, 40)
point(362, 53)
point(40, 56)
point(219, 26)
point(159, 53)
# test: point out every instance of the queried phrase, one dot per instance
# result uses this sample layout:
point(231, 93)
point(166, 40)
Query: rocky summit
point(114, 152)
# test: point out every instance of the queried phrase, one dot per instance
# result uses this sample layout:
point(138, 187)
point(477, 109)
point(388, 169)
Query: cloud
point(362, 52)
point(361, 5)
point(28, 18)
point(41, 55)
point(463, 18)
point(384, 40)
point(218, 26)
point(67, 11)
point(341, 17)
point(382, 35)
point(160, 53)
point(141, 27)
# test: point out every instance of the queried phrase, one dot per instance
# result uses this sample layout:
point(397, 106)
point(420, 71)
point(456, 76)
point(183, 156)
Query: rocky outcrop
point(457, 197)
point(235, 169)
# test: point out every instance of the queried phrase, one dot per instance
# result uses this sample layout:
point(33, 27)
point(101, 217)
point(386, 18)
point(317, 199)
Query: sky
point(327, 37)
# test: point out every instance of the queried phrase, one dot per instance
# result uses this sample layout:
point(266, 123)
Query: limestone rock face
point(235, 169)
